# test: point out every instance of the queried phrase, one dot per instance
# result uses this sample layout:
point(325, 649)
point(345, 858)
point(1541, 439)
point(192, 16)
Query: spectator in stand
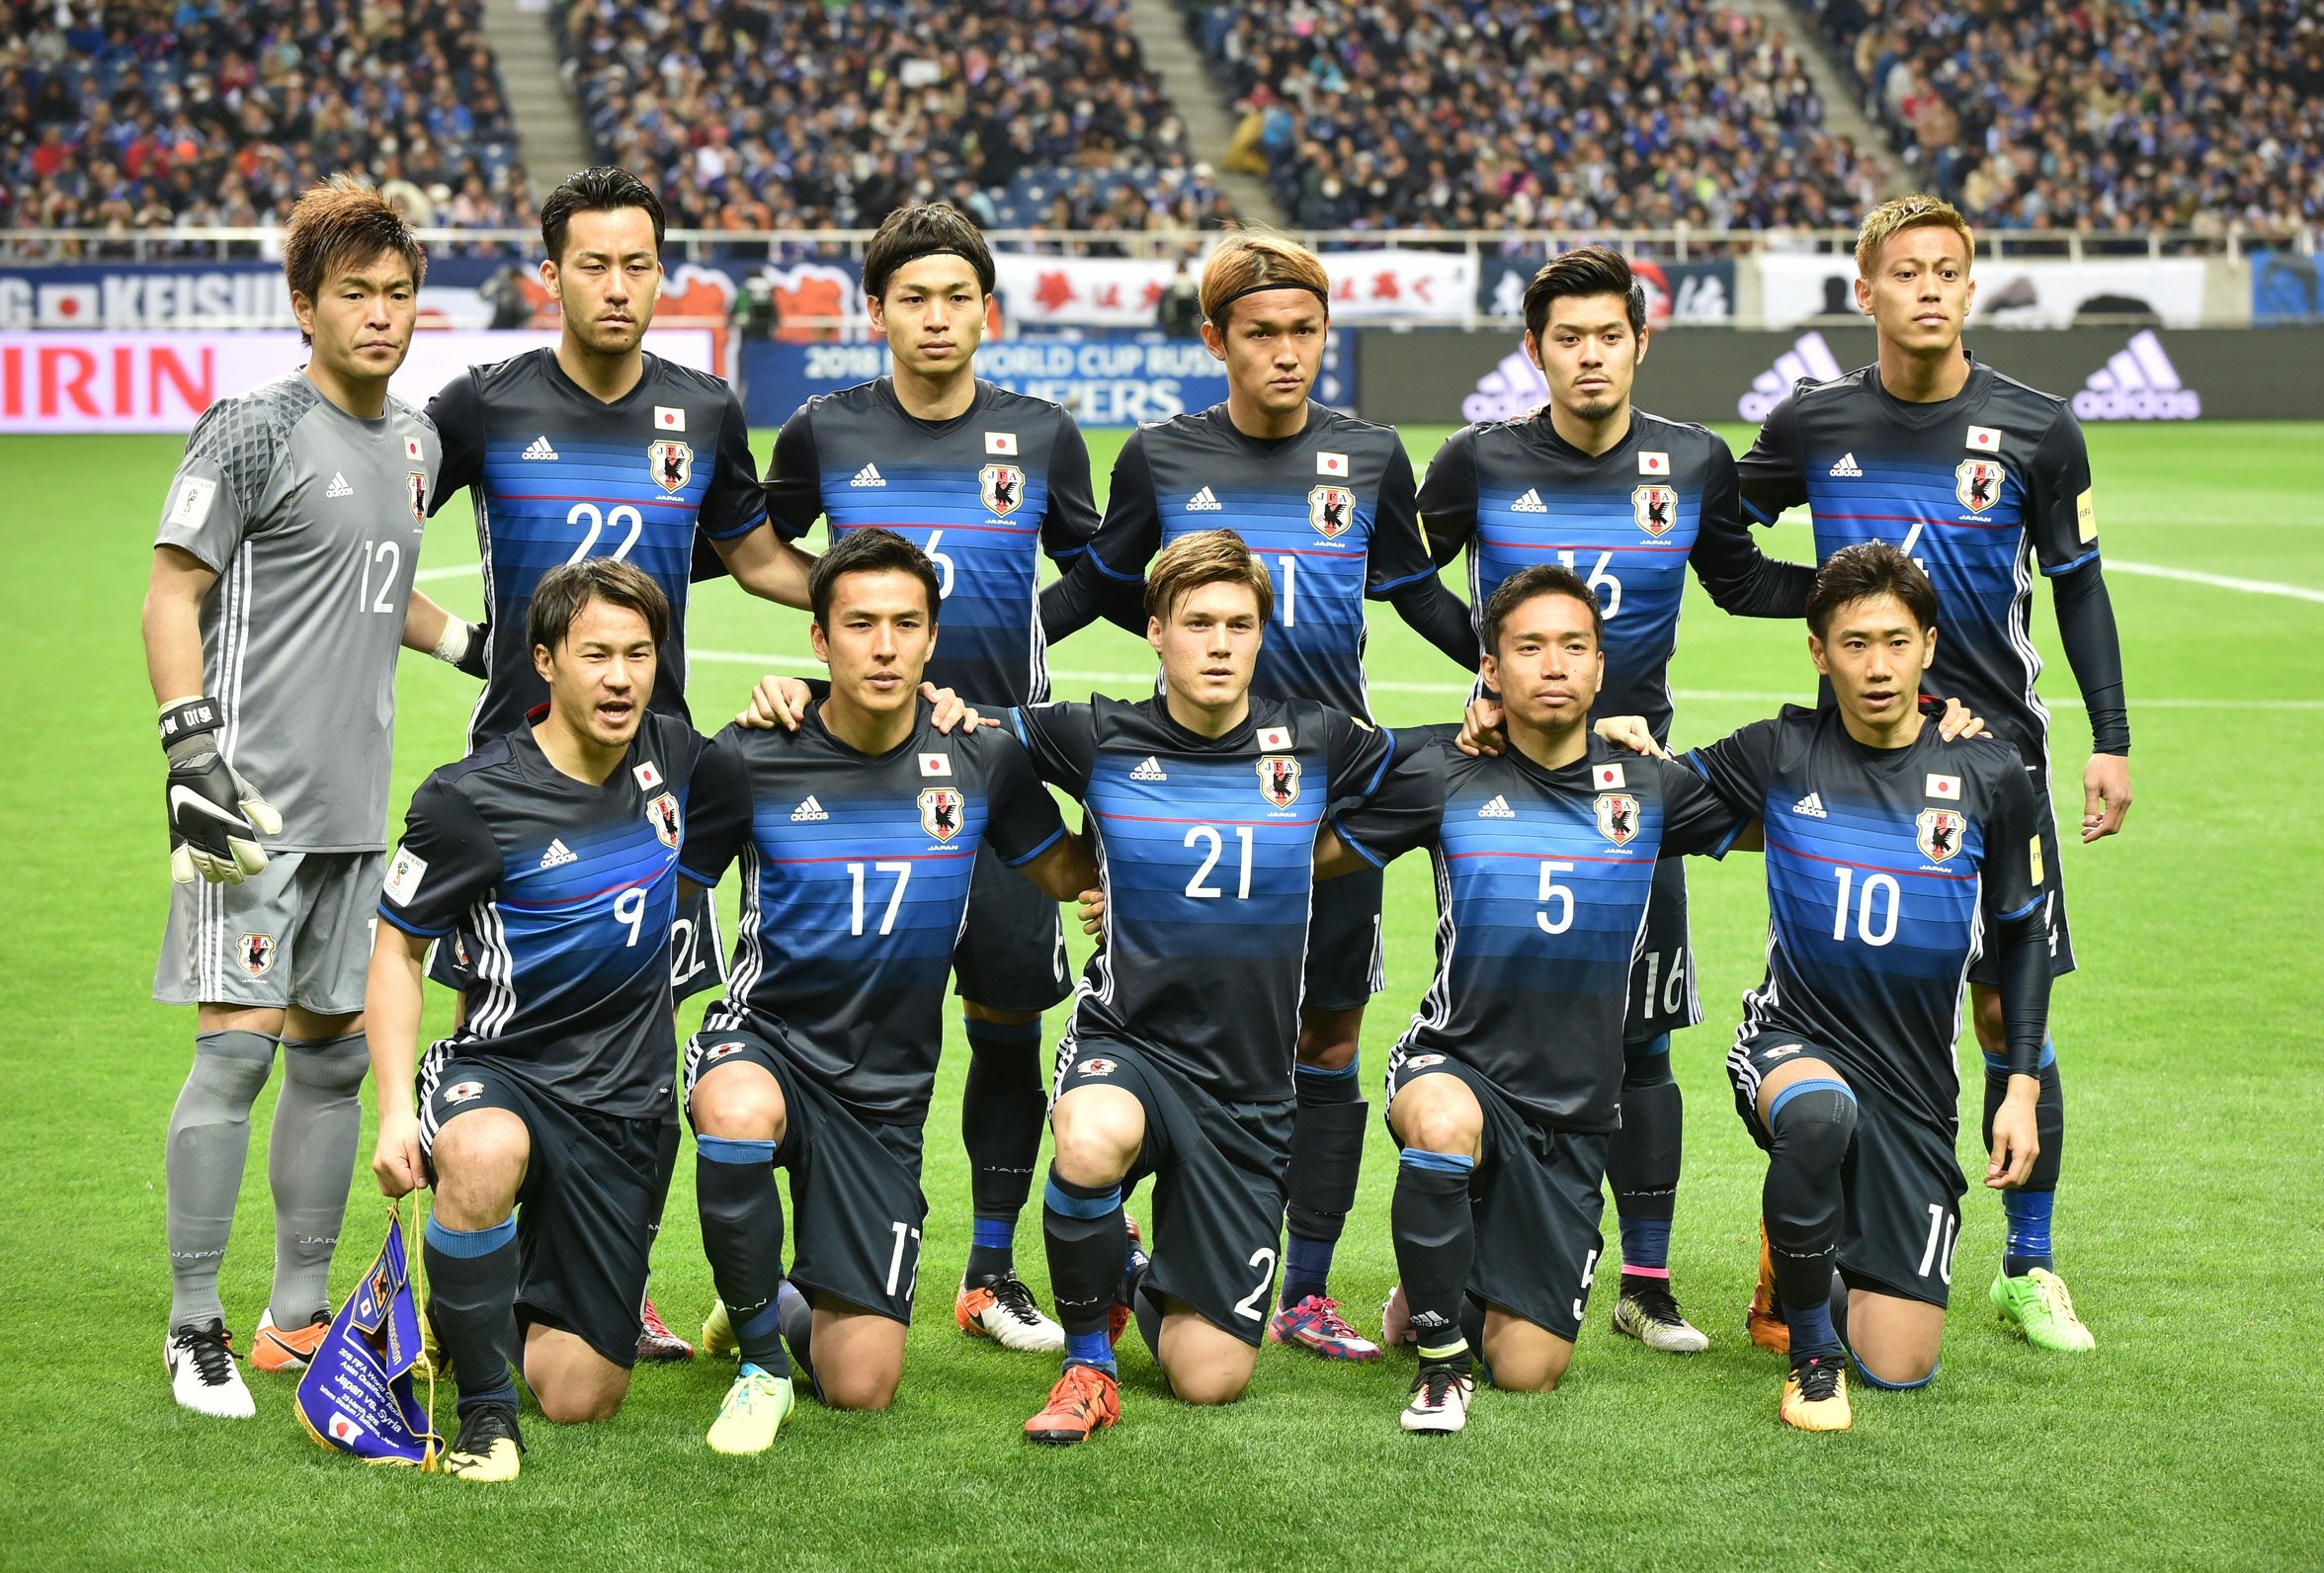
point(144, 114)
point(832, 116)
point(1466, 113)
point(2125, 117)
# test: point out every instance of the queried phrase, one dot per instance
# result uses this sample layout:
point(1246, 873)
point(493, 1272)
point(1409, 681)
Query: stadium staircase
point(1844, 113)
point(1159, 26)
point(548, 127)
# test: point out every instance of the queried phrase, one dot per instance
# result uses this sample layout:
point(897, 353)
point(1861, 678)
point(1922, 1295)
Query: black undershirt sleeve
point(2094, 648)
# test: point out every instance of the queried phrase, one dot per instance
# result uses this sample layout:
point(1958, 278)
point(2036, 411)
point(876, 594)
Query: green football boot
point(2037, 1307)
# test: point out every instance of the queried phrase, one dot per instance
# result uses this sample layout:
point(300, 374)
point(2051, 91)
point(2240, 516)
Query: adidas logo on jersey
point(1202, 502)
point(1813, 805)
point(2138, 382)
point(1848, 468)
point(1148, 768)
point(1530, 502)
point(868, 475)
point(558, 854)
point(339, 486)
point(1498, 809)
point(540, 449)
point(1809, 357)
point(808, 812)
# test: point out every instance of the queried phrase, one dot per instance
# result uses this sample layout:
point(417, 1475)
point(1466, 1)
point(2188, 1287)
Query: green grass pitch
point(2188, 1223)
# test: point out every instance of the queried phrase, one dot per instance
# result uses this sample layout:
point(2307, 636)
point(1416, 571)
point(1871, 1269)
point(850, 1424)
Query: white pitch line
point(2219, 581)
point(1139, 682)
point(465, 570)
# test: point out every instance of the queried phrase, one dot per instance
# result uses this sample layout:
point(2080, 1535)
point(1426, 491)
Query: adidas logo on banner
point(540, 449)
point(2138, 382)
point(339, 486)
point(1809, 357)
point(868, 475)
point(808, 812)
point(1498, 809)
point(558, 854)
point(1202, 502)
point(1847, 469)
point(1530, 502)
point(1148, 768)
point(1813, 805)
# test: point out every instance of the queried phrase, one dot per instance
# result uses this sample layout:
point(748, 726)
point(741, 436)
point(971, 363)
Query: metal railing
point(1684, 243)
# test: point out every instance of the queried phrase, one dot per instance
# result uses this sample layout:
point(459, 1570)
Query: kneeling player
point(1506, 1091)
point(859, 833)
point(1207, 805)
point(554, 851)
point(1894, 859)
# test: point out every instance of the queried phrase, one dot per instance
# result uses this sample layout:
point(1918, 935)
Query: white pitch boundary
point(1144, 681)
point(2218, 581)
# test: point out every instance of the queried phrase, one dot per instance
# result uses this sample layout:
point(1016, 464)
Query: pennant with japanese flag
point(357, 1394)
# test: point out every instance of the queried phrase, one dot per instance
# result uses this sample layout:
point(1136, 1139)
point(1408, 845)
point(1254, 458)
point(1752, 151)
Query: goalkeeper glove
point(215, 817)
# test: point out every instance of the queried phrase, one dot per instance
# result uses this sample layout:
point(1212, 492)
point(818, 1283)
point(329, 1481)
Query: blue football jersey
point(1883, 870)
point(1329, 510)
point(562, 893)
point(557, 474)
point(984, 494)
point(1978, 489)
point(1630, 520)
point(854, 884)
point(1205, 850)
point(1542, 879)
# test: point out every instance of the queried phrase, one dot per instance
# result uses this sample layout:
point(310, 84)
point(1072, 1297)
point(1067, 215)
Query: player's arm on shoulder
point(1448, 497)
point(1741, 580)
point(1631, 732)
point(718, 809)
point(1770, 476)
point(1402, 813)
point(1021, 823)
point(1060, 738)
point(794, 486)
point(1740, 766)
point(457, 410)
point(1696, 820)
point(1399, 570)
point(1108, 578)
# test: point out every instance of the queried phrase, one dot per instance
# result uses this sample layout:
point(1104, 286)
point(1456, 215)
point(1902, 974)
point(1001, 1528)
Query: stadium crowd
point(770, 114)
point(1472, 113)
point(2053, 113)
point(144, 114)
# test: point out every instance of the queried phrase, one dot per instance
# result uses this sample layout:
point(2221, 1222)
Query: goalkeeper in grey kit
point(279, 595)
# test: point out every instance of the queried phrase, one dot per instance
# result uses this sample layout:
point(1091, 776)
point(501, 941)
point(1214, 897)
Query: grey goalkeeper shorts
point(296, 933)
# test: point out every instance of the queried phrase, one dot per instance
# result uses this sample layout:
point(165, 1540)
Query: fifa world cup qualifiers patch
point(2085, 516)
point(194, 495)
point(404, 876)
point(2033, 859)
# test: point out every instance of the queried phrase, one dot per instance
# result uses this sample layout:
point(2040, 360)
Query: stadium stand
point(2148, 115)
point(759, 113)
point(154, 113)
point(1468, 114)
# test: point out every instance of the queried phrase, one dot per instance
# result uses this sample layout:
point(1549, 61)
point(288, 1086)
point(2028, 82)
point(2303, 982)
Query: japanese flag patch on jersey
point(1944, 786)
point(1985, 439)
point(1607, 778)
point(936, 763)
point(648, 778)
point(667, 419)
point(1332, 464)
point(1275, 737)
point(1653, 463)
point(1004, 443)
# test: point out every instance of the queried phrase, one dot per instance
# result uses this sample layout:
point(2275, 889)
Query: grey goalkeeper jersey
point(312, 517)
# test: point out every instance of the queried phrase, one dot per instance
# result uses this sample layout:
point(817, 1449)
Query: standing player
point(1630, 502)
point(1207, 805)
point(1507, 1089)
point(984, 481)
point(595, 447)
point(280, 588)
point(552, 851)
point(860, 834)
point(1894, 861)
point(1326, 501)
point(1965, 471)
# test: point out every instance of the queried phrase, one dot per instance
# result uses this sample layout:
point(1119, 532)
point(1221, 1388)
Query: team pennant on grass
point(357, 1394)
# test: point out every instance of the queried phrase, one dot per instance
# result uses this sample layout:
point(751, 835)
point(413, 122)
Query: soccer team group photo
point(1158, 899)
